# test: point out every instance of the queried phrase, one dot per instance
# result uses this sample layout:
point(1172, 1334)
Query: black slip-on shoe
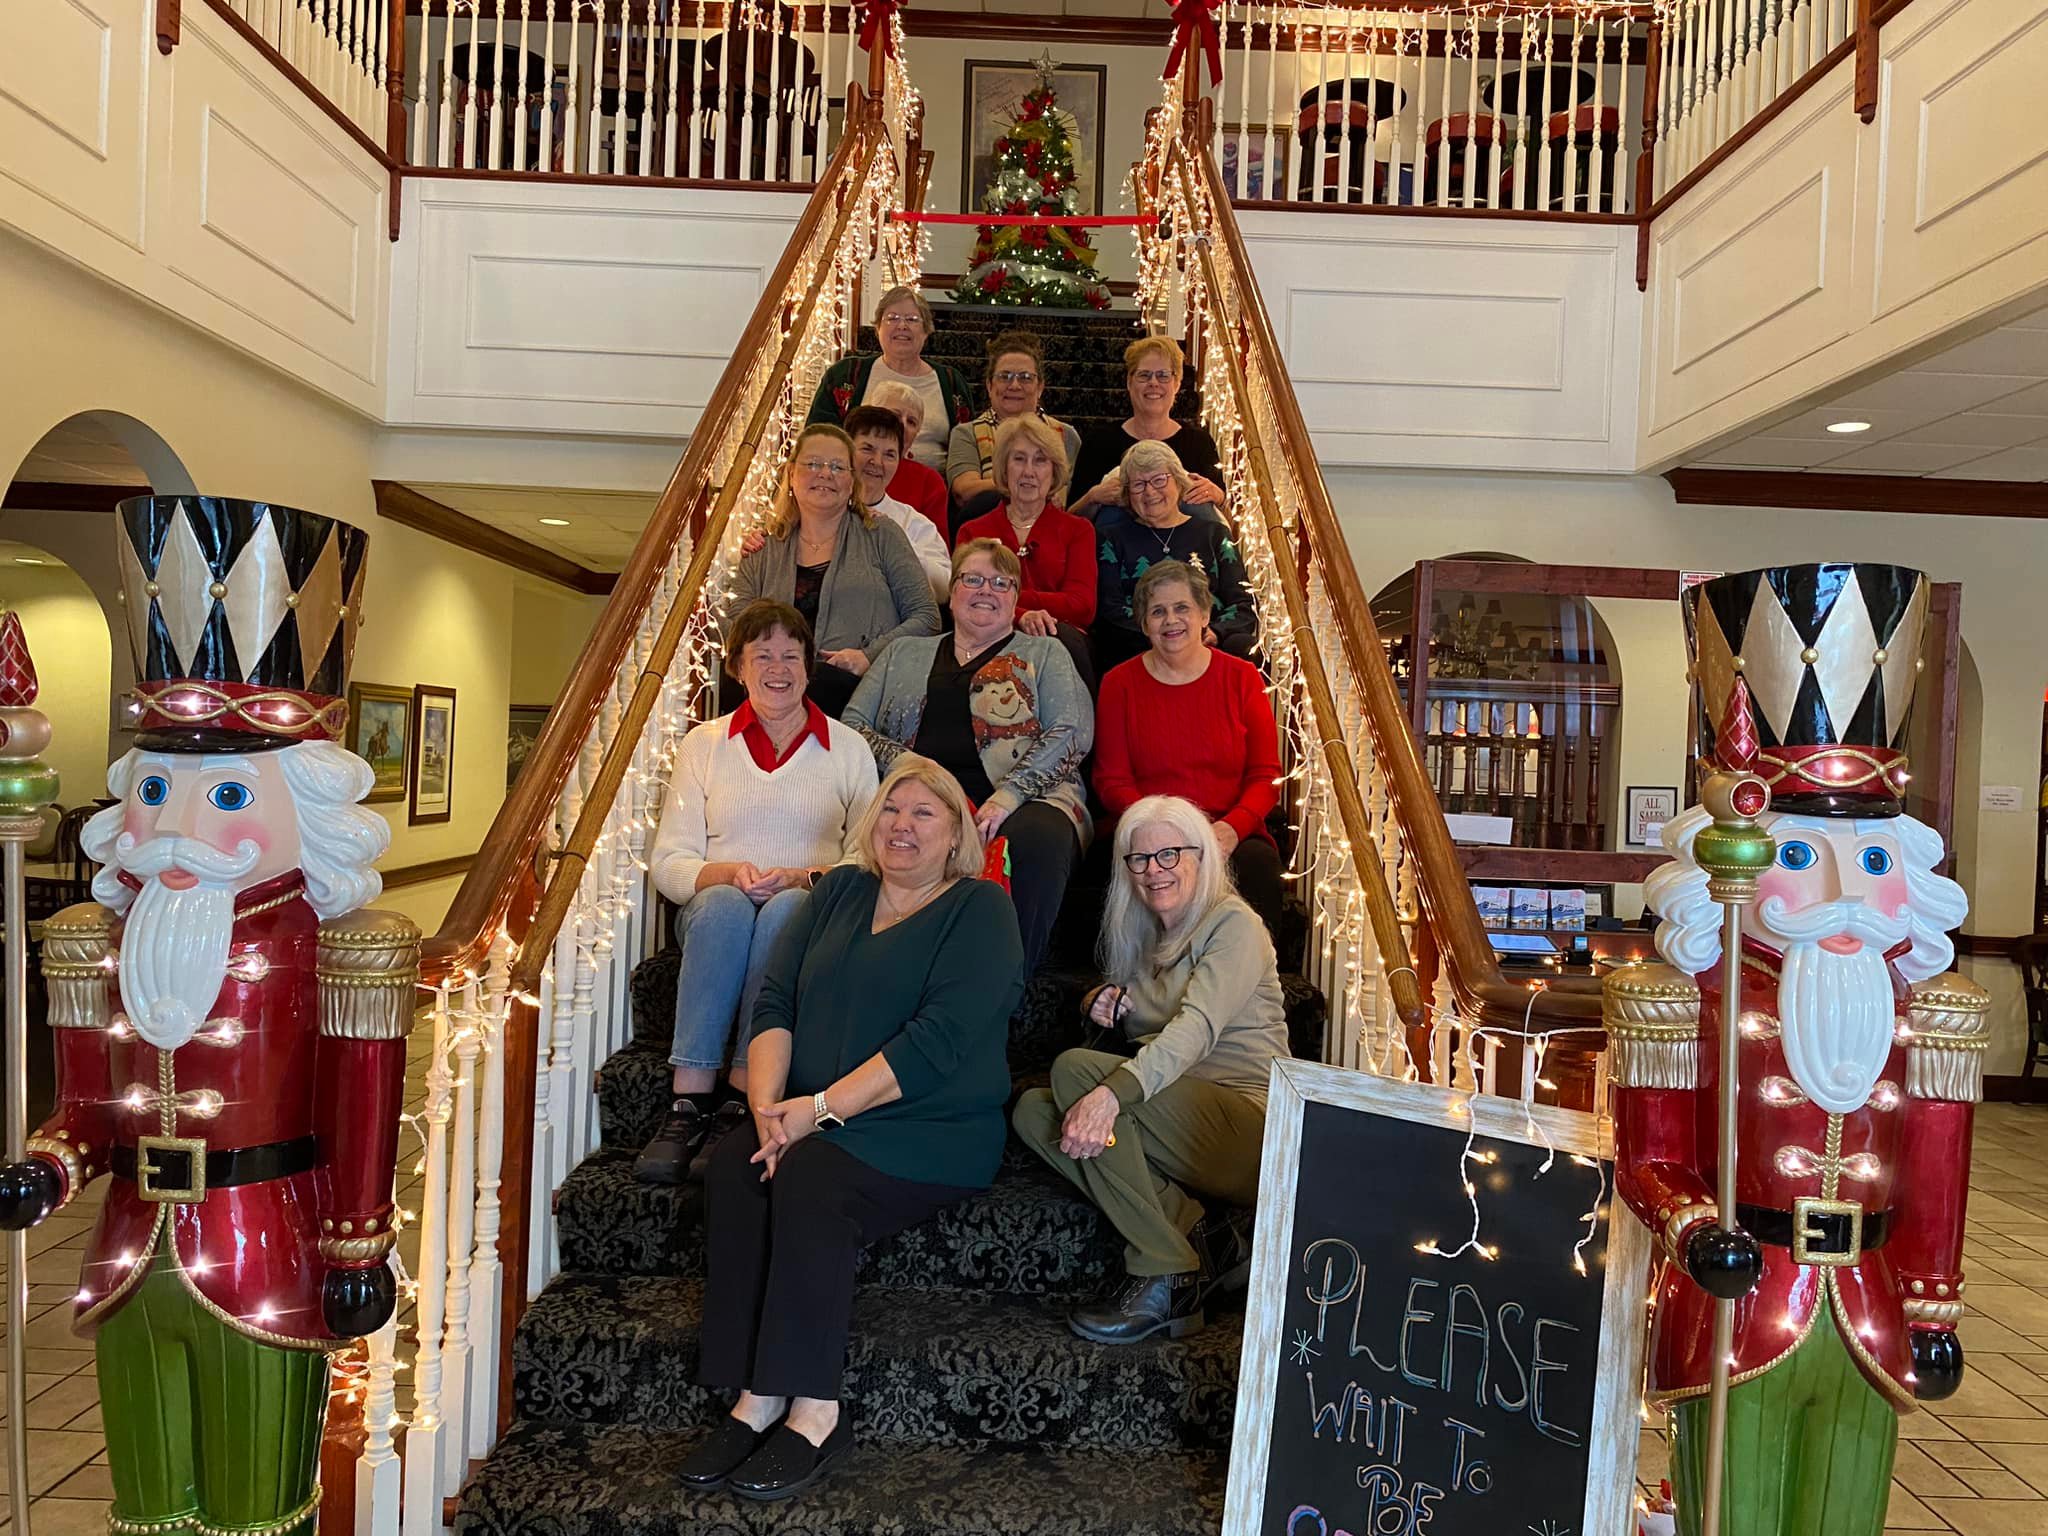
point(719, 1454)
point(787, 1463)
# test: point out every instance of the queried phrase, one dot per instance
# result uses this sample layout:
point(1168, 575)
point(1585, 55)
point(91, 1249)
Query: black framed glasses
point(1168, 858)
point(974, 581)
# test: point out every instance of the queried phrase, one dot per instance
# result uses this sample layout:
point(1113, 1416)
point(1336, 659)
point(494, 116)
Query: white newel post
point(378, 1471)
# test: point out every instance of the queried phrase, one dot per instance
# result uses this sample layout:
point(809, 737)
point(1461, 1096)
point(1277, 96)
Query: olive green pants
point(1809, 1449)
point(206, 1428)
point(1192, 1136)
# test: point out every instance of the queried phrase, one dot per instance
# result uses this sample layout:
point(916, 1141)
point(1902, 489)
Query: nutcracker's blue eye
point(1796, 855)
point(153, 790)
point(1876, 861)
point(230, 796)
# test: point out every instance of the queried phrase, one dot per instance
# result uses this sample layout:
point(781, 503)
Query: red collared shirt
point(762, 747)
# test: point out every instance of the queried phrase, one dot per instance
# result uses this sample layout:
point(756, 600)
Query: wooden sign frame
point(1611, 1437)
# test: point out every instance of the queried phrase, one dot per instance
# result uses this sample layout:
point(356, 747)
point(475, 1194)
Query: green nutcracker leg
point(1810, 1446)
point(206, 1428)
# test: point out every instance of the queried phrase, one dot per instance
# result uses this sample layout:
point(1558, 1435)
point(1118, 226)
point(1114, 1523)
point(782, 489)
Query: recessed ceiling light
point(563, 522)
point(1846, 427)
point(29, 560)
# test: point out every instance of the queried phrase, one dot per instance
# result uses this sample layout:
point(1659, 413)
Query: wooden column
point(394, 112)
point(169, 24)
point(1866, 60)
point(1646, 163)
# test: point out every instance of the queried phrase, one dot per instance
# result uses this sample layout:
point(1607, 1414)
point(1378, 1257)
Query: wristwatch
point(821, 1114)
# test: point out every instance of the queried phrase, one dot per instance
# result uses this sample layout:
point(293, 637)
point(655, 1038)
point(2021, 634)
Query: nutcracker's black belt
point(1818, 1231)
point(172, 1169)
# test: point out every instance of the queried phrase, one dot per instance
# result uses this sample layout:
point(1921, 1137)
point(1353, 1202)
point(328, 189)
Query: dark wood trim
point(1756, 125)
point(1590, 866)
point(589, 179)
point(1866, 61)
point(2012, 1088)
point(283, 66)
point(170, 24)
point(64, 496)
point(1945, 618)
point(409, 508)
point(1984, 946)
point(1822, 492)
point(1646, 161)
point(1431, 211)
point(1553, 580)
point(1887, 9)
point(426, 871)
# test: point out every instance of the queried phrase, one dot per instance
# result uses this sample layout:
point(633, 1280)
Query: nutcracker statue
point(230, 1026)
point(1856, 1058)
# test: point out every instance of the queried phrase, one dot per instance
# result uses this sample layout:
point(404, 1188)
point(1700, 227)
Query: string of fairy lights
point(1325, 867)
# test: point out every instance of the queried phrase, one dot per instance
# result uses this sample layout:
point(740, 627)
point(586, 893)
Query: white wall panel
point(72, 100)
point(574, 308)
point(1479, 344)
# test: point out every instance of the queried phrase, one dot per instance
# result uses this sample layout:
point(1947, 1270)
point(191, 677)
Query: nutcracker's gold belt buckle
point(1827, 1232)
point(170, 1170)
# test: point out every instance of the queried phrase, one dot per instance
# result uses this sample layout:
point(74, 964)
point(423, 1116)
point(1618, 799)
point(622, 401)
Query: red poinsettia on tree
point(1036, 264)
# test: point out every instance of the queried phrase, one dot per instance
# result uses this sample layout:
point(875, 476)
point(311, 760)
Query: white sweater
point(721, 808)
point(926, 542)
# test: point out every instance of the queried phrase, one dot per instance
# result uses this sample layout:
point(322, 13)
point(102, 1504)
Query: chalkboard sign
point(1388, 1391)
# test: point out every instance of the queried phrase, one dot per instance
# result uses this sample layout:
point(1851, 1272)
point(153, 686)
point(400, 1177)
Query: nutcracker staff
point(230, 1027)
point(1859, 1061)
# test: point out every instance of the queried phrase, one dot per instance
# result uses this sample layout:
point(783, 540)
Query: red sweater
point(920, 486)
point(1211, 741)
point(1060, 573)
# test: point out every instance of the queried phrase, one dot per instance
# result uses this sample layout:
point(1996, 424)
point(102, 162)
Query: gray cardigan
point(875, 590)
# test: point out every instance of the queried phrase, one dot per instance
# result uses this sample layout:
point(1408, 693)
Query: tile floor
point(1977, 1464)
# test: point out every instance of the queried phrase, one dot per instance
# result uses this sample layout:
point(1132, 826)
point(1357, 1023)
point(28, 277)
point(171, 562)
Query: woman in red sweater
point(1185, 719)
point(1056, 547)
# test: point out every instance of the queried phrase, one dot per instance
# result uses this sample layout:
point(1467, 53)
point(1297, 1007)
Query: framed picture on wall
point(1648, 810)
point(995, 93)
point(380, 733)
point(433, 759)
point(1246, 175)
point(522, 730)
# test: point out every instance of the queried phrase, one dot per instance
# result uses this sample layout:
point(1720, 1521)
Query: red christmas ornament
point(992, 281)
point(1735, 744)
point(18, 685)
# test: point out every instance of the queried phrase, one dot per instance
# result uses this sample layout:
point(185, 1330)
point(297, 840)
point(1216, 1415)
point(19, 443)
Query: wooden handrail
point(1448, 909)
point(574, 858)
point(516, 834)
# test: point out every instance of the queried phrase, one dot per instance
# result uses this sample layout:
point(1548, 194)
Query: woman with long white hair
point(1174, 1106)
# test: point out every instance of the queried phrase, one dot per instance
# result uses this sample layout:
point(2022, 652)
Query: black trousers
point(780, 1260)
point(1255, 866)
point(1043, 850)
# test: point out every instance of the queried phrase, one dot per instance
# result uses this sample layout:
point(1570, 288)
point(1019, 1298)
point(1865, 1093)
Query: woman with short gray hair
point(903, 324)
point(1175, 1108)
point(1159, 528)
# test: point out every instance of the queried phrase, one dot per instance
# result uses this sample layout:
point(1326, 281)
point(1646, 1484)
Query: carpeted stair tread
point(619, 1480)
point(1029, 1234)
point(937, 1367)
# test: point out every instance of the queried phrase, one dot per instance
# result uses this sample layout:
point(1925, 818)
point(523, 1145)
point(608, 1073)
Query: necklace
point(882, 899)
point(1163, 535)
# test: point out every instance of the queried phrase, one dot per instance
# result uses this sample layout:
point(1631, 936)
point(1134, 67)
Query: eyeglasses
point(1152, 376)
point(974, 581)
point(1016, 378)
point(825, 467)
point(1168, 858)
point(1156, 486)
point(901, 320)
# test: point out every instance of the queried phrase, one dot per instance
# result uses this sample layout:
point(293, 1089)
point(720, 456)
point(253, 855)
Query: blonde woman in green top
point(1175, 1108)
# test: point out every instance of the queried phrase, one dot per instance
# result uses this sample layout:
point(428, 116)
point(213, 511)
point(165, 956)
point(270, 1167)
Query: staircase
point(977, 1410)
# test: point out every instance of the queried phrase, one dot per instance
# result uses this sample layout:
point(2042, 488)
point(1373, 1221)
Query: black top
point(945, 732)
point(1104, 450)
point(1127, 548)
point(932, 994)
point(810, 585)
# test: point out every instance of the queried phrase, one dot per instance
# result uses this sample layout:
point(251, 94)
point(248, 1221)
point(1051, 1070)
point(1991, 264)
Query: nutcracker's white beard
point(1835, 1011)
point(174, 947)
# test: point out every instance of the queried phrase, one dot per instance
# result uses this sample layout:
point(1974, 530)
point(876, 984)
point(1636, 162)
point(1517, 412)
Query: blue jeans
point(726, 942)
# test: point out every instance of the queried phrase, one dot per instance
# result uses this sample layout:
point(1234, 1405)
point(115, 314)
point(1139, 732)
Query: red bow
point(874, 20)
point(1190, 18)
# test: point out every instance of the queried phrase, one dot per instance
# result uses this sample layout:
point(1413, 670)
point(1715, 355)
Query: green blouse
point(933, 994)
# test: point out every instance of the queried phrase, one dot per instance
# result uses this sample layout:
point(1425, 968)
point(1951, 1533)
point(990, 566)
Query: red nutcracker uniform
point(231, 1050)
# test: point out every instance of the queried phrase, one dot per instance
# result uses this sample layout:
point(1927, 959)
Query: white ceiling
point(80, 453)
point(1978, 411)
point(602, 525)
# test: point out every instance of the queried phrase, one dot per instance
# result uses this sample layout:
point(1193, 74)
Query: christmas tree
point(1034, 264)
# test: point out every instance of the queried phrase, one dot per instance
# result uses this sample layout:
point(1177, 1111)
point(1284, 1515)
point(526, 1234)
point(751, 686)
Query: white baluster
point(650, 91)
point(378, 1474)
point(591, 164)
point(1443, 149)
point(542, 1182)
point(697, 97)
point(1473, 54)
point(486, 1289)
point(1500, 118)
point(1344, 130)
point(770, 171)
point(560, 1041)
point(461, 1239)
point(1316, 147)
point(752, 22)
point(672, 128)
point(423, 1441)
point(625, 51)
point(1524, 86)
point(1418, 183)
point(582, 1009)
point(1569, 196)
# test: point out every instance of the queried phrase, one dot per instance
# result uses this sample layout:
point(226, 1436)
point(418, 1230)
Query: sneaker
point(1146, 1305)
point(725, 1119)
point(666, 1159)
point(1225, 1244)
